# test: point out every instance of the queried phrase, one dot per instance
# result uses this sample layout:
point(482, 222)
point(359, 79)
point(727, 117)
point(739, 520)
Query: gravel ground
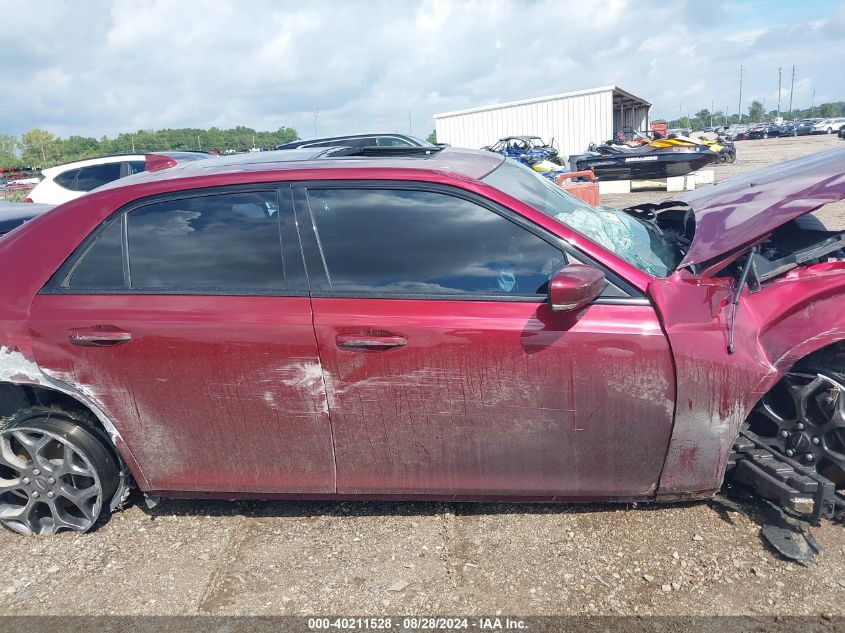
point(201, 557)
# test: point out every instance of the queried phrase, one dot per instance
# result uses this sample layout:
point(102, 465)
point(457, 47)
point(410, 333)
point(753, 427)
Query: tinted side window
point(227, 242)
point(102, 264)
point(136, 167)
point(392, 141)
point(67, 179)
point(419, 242)
point(97, 175)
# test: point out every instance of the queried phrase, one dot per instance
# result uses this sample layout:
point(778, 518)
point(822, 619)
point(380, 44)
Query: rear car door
point(446, 370)
point(186, 318)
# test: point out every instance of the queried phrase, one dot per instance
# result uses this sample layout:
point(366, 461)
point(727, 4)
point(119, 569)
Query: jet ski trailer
point(620, 162)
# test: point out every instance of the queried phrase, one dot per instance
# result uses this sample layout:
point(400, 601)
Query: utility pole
point(780, 73)
point(315, 122)
point(813, 108)
point(741, 73)
point(133, 143)
point(712, 106)
point(199, 142)
point(791, 89)
point(410, 126)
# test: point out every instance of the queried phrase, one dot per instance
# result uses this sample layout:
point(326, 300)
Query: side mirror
point(575, 286)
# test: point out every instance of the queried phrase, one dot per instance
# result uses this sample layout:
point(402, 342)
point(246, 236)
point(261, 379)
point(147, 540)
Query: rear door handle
point(99, 336)
point(371, 343)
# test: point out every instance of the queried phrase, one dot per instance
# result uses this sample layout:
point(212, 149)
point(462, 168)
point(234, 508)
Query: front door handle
point(99, 336)
point(370, 343)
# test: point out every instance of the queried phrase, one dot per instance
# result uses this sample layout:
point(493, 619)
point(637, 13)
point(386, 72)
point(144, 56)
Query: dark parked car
point(360, 140)
point(442, 325)
point(805, 127)
point(13, 214)
point(765, 131)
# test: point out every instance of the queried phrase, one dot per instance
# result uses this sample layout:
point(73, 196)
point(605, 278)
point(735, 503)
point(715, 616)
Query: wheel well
point(15, 398)
point(833, 354)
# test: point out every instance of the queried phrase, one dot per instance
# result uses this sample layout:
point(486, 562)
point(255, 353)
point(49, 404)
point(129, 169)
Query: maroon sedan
point(437, 324)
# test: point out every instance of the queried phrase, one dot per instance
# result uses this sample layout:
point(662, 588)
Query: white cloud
point(99, 68)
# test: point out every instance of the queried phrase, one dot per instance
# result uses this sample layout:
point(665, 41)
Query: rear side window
point(135, 167)
point(426, 243)
point(227, 242)
point(219, 242)
point(67, 179)
point(97, 175)
point(102, 264)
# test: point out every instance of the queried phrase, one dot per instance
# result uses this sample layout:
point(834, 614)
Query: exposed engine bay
point(802, 241)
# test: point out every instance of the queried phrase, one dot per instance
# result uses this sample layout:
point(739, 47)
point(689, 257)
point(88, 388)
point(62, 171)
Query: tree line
point(41, 148)
point(756, 114)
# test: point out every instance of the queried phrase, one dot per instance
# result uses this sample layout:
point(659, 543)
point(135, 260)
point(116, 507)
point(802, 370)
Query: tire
point(830, 130)
point(802, 415)
point(55, 474)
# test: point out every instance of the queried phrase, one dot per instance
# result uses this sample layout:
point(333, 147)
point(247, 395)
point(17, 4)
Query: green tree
point(828, 110)
point(703, 117)
point(432, 138)
point(76, 148)
point(38, 148)
point(8, 156)
point(755, 111)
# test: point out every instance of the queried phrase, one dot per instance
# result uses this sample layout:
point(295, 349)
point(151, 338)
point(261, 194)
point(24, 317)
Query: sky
point(99, 68)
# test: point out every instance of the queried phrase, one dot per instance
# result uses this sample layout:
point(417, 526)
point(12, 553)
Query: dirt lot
point(199, 557)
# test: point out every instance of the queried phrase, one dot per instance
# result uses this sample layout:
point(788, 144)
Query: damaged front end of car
point(754, 316)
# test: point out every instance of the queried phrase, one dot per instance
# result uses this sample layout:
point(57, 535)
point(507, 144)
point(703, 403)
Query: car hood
point(741, 210)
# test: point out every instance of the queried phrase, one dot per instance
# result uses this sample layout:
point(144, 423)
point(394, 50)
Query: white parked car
point(63, 183)
point(828, 126)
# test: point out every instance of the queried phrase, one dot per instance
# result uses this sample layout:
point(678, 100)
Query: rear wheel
point(54, 475)
point(803, 416)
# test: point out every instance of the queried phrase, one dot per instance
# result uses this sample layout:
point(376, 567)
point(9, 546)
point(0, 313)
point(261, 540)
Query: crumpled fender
point(785, 321)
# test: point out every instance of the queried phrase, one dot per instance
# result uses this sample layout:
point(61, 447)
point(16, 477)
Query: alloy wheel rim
point(46, 483)
point(803, 417)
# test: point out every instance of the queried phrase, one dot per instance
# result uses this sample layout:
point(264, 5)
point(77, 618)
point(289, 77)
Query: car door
point(185, 317)
point(446, 371)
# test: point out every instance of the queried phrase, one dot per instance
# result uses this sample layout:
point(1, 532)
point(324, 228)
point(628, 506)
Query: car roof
point(300, 142)
point(118, 158)
point(464, 163)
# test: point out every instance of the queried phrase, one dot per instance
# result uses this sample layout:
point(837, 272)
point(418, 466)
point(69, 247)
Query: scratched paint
point(486, 399)
point(211, 394)
point(15, 368)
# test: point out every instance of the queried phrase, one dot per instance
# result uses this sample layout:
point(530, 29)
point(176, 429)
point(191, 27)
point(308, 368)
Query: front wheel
point(830, 130)
point(54, 474)
point(803, 416)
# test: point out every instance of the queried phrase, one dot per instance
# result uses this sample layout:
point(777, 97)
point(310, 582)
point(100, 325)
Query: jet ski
point(725, 150)
point(621, 162)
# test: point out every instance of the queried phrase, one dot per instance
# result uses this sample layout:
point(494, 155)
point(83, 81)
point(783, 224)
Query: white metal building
point(572, 119)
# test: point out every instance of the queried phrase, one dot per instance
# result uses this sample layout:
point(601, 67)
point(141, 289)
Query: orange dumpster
point(586, 191)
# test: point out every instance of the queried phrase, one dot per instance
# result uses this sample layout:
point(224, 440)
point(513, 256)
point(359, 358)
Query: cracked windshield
point(639, 242)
